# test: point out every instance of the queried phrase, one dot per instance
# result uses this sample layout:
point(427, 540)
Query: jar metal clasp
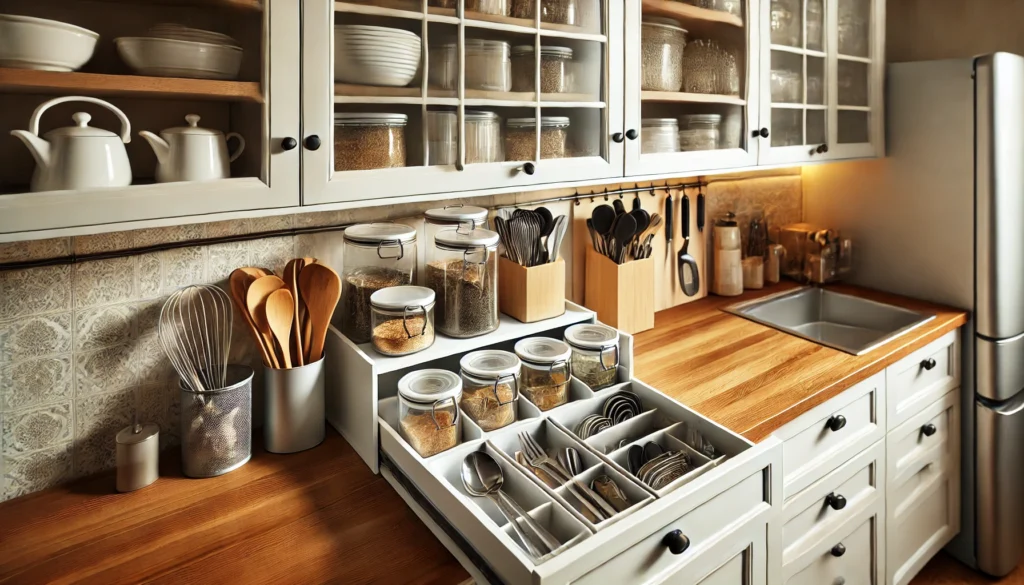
point(559, 363)
point(468, 224)
point(405, 320)
point(390, 244)
point(601, 356)
point(433, 412)
point(466, 261)
point(514, 386)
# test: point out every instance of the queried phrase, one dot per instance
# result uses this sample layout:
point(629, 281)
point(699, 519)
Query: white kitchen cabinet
point(739, 558)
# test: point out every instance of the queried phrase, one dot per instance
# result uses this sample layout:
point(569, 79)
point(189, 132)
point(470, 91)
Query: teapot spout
point(39, 148)
point(160, 146)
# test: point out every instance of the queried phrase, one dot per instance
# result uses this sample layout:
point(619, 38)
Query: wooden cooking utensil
point(321, 288)
point(280, 309)
point(255, 301)
point(291, 281)
point(239, 283)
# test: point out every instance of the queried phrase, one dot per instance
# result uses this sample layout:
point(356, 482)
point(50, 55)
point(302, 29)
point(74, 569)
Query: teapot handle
point(126, 126)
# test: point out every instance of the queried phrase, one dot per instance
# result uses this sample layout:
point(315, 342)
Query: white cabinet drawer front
point(702, 527)
point(922, 377)
point(822, 439)
point(738, 559)
point(832, 500)
point(850, 559)
point(921, 524)
point(929, 437)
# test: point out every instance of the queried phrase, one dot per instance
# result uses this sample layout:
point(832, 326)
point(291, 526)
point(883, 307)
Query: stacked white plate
point(375, 55)
point(167, 30)
point(173, 50)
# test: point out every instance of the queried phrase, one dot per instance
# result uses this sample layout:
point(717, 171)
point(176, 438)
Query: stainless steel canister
point(216, 425)
point(294, 415)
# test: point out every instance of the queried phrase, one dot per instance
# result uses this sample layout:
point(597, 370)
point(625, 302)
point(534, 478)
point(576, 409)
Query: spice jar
point(483, 137)
point(488, 65)
point(462, 268)
point(662, 41)
point(364, 140)
point(442, 137)
point(428, 411)
point(402, 319)
point(465, 218)
point(555, 69)
point(521, 138)
point(490, 386)
point(595, 354)
point(376, 256)
point(659, 135)
point(699, 132)
point(552, 11)
point(544, 377)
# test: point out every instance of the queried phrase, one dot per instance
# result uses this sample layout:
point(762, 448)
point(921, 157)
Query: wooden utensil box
point(622, 295)
point(531, 294)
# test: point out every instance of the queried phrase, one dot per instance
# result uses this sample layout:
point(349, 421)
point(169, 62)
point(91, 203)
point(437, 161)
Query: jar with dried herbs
point(376, 256)
point(428, 411)
point(364, 140)
point(521, 138)
point(490, 387)
point(544, 377)
point(462, 268)
point(552, 11)
point(662, 41)
point(403, 319)
point(595, 354)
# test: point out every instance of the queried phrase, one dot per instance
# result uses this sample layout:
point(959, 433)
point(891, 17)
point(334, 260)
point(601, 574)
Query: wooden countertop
point(754, 379)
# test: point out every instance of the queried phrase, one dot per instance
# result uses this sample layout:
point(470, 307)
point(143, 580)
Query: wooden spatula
point(239, 283)
point(291, 280)
point(320, 288)
point(255, 301)
point(280, 309)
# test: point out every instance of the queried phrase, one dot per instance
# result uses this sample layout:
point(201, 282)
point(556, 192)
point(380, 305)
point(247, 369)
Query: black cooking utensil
point(636, 203)
point(684, 216)
point(635, 458)
point(689, 276)
point(652, 450)
point(625, 229)
point(549, 220)
point(668, 220)
point(620, 207)
point(700, 211)
point(603, 217)
point(593, 235)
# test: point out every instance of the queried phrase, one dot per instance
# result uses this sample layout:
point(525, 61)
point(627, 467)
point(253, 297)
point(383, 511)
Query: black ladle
point(625, 229)
point(604, 217)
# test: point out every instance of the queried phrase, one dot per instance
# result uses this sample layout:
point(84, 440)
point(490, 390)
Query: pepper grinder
point(138, 456)
point(728, 275)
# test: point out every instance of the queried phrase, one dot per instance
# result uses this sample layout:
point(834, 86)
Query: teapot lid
point(81, 129)
point(193, 128)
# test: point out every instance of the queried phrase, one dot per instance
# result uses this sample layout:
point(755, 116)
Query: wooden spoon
point(255, 301)
point(291, 281)
point(239, 282)
point(280, 309)
point(321, 288)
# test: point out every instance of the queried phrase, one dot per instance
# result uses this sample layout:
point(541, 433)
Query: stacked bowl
point(47, 45)
point(375, 55)
point(173, 50)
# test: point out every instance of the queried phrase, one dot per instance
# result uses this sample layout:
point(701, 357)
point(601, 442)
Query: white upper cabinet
point(411, 97)
point(246, 83)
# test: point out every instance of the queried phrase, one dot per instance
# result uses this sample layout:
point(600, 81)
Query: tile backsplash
point(79, 351)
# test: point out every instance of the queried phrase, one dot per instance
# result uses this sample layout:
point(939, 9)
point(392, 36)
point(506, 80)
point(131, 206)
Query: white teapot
point(191, 153)
point(79, 156)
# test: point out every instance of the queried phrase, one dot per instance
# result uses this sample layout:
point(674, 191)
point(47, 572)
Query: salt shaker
point(138, 456)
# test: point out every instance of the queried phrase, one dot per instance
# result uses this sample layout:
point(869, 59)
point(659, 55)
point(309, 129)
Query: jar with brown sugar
point(490, 387)
point(428, 410)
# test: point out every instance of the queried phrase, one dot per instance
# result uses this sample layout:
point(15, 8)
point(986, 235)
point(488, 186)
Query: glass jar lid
point(400, 297)
point(429, 386)
point(543, 350)
point(456, 213)
point(476, 45)
point(482, 116)
point(658, 122)
point(374, 233)
point(701, 118)
point(663, 21)
point(490, 364)
point(369, 119)
point(545, 122)
point(545, 51)
point(591, 336)
point(476, 238)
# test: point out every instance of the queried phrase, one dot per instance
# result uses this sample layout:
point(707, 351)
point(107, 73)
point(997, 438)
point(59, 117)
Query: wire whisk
point(195, 332)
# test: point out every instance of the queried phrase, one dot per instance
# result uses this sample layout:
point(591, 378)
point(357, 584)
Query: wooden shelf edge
point(104, 85)
point(686, 12)
point(411, 10)
point(695, 98)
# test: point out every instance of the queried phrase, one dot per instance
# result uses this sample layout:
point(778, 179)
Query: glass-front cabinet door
point(409, 97)
point(691, 86)
point(859, 64)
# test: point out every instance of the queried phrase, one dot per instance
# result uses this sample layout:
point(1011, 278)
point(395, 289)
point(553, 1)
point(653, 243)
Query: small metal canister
point(138, 456)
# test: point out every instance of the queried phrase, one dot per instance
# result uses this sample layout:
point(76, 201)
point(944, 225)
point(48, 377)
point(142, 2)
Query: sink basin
point(832, 319)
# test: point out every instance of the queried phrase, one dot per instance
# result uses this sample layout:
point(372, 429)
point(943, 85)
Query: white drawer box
point(922, 377)
point(833, 500)
point(828, 435)
point(931, 436)
point(853, 553)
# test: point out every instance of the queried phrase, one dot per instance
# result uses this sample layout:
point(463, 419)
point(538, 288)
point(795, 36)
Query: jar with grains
point(428, 410)
point(442, 137)
point(488, 65)
point(483, 137)
point(521, 138)
point(462, 269)
point(595, 354)
point(376, 256)
point(556, 74)
point(662, 41)
point(462, 217)
point(699, 132)
point(659, 135)
point(364, 140)
point(544, 377)
point(402, 319)
point(551, 11)
point(490, 387)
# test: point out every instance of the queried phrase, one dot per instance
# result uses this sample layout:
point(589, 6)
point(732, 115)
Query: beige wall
point(919, 30)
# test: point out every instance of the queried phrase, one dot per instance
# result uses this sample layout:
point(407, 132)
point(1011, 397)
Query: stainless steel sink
point(836, 320)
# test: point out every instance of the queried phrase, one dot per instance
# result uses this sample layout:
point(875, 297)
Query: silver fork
point(537, 457)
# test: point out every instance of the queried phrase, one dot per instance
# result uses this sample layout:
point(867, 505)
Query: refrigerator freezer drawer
point(999, 367)
point(999, 484)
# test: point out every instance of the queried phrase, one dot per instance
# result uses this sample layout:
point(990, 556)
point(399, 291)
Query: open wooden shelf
point(102, 85)
point(699, 22)
point(695, 98)
point(242, 5)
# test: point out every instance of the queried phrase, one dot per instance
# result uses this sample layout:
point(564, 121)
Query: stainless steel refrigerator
point(941, 218)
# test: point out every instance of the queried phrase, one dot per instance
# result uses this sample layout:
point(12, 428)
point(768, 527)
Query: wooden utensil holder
point(531, 294)
point(622, 295)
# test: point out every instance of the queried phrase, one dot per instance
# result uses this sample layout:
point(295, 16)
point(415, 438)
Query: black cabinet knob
point(676, 542)
point(839, 550)
point(928, 364)
point(835, 501)
point(632, 134)
point(529, 168)
point(288, 143)
point(763, 133)
point(822, 149)
point(618, 137)
point(312, 142)
point(929, 430)
point(836, 422)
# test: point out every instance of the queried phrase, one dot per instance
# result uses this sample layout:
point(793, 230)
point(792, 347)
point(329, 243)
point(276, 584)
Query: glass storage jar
point(786, 86)
point(699, 132)
point(443, 72)
point(499, 7)
point(483, 137)
point(488, 65)
point(376, 256)
point(551, 11)
point(659, 135)
point(556, 75)
point(402, 319)
point(490, 387)
point(462, 268)
point(595, 354)
point(463, 217)
point(428, 410)
point(544, 377)
point(662, 41)
point(442, 137)
point(365, 140)
point(785, 22)
point(521, 138)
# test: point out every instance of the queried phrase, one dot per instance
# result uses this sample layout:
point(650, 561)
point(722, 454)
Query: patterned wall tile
point(164, 272)
point(165, 235)
point(223, 258)
point(34, 382)
point(271, 223)
point(148, 362)
point(97, 421)
point(35, 337)
point(103, 282)
point(36, 471)
point(103, 327)
point(148, 276)
point(35, 250)
point(109, 242)
point(221, 229)
point(31, 430)
point(104, 370)
point(30, 292)
point(271, 253)
point(146, 316)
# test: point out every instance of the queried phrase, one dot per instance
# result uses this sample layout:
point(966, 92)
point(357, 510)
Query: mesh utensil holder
point(216, 425)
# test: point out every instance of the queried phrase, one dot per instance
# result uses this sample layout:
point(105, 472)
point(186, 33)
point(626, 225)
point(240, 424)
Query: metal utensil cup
point(216, 425)
point(294, 417)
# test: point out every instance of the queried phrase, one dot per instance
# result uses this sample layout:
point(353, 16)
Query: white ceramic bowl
point(374, 55)
point(174, 58)
point(379, 30)
point(47, 45)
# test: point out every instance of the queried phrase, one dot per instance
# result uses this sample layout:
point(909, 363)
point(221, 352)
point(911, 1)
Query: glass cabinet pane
point(854, 27)
point(815, 31)
point(853, 127)
point(787, 18)
point(853, 83)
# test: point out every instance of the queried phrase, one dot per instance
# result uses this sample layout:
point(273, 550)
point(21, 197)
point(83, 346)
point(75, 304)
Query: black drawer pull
point(928, 364)
point(836, 422)
point(838, 550)
point(835, 501)
point(676, 542)
point(929, 430)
